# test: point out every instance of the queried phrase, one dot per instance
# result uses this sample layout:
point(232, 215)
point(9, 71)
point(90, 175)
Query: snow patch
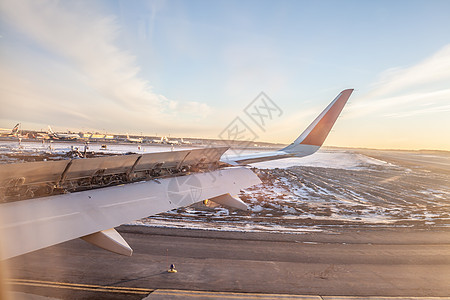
point(337, 159)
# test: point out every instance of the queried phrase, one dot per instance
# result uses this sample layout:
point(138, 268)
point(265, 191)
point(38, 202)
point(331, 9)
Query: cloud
point(422, 111)
point(432, 70)
point(392, 105)
point(408, 89)
point(88, 43)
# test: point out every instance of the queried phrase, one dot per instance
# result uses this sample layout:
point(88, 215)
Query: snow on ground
point(54, 150)
point(329, 189)
point(223, 226)
point(64, 147)
point(336, 159)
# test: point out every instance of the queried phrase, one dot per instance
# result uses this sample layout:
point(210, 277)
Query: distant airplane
point(157, 141)
point(170, 142)
point(140, 185)
point(185, 142)
point(62, 136)
point(10, 132)
point(133, 140)
point(165, 140)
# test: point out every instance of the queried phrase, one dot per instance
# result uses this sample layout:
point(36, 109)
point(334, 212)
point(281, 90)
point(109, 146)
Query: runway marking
point(228, 295)
point(197, 294)
point(79, 286)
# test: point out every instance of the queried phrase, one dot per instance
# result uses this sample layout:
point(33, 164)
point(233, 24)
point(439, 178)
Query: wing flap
point(20, 181)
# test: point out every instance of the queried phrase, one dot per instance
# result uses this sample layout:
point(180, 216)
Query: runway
point(371, 262)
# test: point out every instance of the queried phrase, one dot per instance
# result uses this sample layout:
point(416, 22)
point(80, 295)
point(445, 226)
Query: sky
point(190, 68)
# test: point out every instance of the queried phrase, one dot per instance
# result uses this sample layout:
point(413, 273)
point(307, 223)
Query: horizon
point(133, 135)
point(174, 68)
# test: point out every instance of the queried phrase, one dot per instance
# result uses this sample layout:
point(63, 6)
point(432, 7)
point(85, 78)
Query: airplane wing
point(50, 202)
point(307, 143)
point(29, 225)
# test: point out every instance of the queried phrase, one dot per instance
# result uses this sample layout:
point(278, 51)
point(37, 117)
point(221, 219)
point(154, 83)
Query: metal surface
point(109, 239)
point(21, 181)
point(33, 224)
point(108, 165)
point(228, 200)
point(179, 159)
point(32, 172)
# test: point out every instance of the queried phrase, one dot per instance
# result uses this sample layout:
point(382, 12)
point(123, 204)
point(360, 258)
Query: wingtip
point(318, 130)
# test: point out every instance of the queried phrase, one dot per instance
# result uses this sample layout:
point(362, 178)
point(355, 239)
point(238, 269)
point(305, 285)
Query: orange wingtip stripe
point(320, 132)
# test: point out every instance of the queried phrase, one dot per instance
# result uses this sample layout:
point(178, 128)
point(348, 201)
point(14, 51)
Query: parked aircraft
point(133, 140)
point(62, 136)
point(104, 192)
point(185, 142)
point(10, 132)
point(157, 141)
point(165, 140)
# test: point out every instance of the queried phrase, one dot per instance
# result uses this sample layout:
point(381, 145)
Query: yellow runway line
point(79, 286)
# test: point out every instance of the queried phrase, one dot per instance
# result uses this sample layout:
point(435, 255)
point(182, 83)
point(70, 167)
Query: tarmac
point(383, 263)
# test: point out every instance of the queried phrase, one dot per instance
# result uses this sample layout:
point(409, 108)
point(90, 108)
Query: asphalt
point(395, 262)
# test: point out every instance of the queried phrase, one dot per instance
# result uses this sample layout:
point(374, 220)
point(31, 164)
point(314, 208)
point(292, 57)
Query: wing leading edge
point(308, 142)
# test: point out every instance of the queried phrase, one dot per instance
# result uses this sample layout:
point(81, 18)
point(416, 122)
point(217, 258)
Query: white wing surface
point(32, 224)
